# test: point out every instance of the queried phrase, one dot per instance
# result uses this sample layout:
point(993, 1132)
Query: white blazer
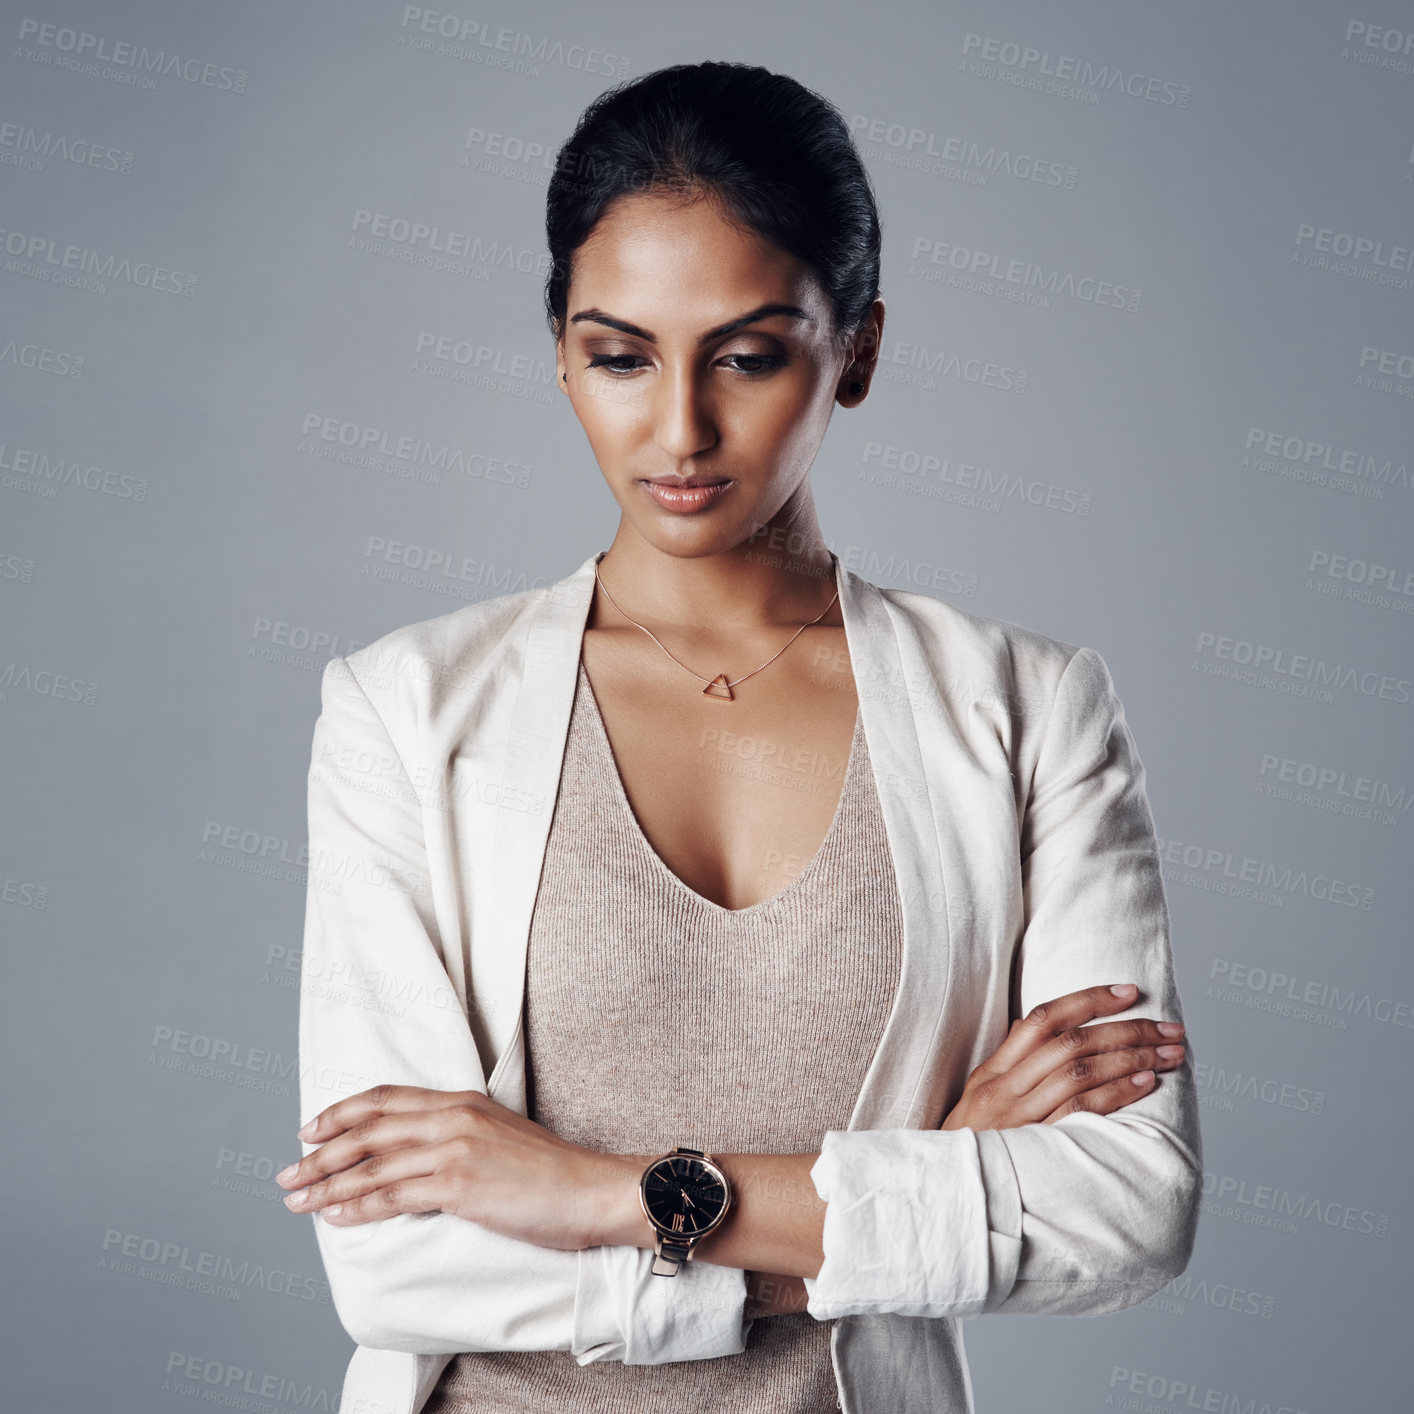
point(1021, 833)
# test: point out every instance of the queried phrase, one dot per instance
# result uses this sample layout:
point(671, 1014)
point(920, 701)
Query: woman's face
point(696, 351)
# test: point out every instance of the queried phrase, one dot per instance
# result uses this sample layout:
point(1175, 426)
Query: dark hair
point(777, 156)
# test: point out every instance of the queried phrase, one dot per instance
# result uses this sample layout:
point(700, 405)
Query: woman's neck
point(782, 576)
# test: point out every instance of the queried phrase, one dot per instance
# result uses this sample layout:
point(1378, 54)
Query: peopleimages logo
point(1301, 669)
point(1297, 458)
point(219, 1382)
point(1365, 581)
point(1221, 1085)
point(933, 473)
point(44, 682)
point(1338, 790)
point(919, 366)
point(1223, 867)
point(43, 257)
point(1065, 75)
point(1358, 256)
point(41, 359)
point(122, 1251)
point(1266, 1205)
point(1379, 46)
point(64, 47)
point(437, 31)
point(1221, 1295)
point(1128, 1385)
point(31, 467)
point(23, 146)
point(966, 267)
point(921, 149)
point(1284, 991)
point(1309, 451)
point(402, 454)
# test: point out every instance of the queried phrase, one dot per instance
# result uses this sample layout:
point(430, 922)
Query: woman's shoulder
point(417, 663)
point(1024, 686)
point(984, 654)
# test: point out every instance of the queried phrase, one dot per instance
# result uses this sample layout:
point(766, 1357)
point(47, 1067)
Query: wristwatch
point(684, 1196)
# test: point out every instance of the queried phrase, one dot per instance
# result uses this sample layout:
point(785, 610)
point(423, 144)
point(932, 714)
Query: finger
point(408, 1195)
point(1078, 1042)
point(1047, 1020)
point(381, 1132)
point(1088, 1073)
point(363, 1178)
point(381, 1099)
point(1105, 1099)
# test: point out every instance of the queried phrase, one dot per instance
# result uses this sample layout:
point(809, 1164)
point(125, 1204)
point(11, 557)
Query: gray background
point(193, 315)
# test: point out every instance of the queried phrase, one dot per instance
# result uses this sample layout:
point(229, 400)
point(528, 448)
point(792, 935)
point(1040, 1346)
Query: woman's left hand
point(403, 1149)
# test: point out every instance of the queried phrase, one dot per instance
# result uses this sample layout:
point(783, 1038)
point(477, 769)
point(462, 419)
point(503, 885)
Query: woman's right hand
point(1052, 1064)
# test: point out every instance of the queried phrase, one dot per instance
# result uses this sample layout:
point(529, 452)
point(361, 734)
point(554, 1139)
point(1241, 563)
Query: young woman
point(713, 846)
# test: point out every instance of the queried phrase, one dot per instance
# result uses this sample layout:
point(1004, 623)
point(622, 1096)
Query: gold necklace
point(718, 688)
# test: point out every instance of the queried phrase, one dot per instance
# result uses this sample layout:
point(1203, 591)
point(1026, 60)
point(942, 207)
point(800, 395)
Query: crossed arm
point(402, 1149)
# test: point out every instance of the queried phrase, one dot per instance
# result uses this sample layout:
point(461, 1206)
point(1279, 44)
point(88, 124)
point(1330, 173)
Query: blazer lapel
point(893, 685)
point(535, 753)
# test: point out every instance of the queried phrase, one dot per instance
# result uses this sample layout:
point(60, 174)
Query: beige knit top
point(760, 1045)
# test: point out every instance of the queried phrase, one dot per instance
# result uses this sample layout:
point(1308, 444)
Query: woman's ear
point(863, 356)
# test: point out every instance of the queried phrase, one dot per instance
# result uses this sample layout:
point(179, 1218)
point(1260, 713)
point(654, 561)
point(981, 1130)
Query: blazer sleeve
point(377, 1007)
point(1089, 1214)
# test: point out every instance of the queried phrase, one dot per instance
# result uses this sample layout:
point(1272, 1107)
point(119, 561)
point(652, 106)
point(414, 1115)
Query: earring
point(856, 388)
point(565, 378)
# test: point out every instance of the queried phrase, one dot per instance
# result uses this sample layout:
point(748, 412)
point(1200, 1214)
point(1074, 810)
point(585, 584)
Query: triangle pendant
point(720, 689)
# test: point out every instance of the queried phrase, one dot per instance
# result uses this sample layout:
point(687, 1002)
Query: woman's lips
point(684, 498)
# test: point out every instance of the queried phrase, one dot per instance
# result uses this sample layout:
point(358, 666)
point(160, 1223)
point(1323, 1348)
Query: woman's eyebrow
point(762, 311)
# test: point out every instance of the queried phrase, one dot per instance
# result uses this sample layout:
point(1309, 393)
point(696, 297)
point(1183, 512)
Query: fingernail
point(1124, 989)
point(307, 1130)
point(297, 1198)
point(1142, 1077)
point(1170, 1028)
point(333, 1210)
point(285, 1175)
point(1169, 1053)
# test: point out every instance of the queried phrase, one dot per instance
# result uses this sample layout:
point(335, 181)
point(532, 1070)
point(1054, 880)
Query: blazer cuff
point(907, 1228)
point(623, 1312)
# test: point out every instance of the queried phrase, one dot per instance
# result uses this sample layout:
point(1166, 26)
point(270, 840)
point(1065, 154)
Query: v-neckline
point(621, 794)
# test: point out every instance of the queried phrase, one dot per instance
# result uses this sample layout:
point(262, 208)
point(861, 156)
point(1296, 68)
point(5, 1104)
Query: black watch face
point(683, 1195)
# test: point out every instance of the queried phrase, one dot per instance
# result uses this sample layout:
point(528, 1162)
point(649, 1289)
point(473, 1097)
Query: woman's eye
point(756, 363)
point(612, 362)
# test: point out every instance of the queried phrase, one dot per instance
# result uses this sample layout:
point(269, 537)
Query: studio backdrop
point(276, 380)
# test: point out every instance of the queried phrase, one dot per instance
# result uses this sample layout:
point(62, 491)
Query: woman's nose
point(684, 418)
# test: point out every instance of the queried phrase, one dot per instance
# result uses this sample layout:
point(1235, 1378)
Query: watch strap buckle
point(669, 1257)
